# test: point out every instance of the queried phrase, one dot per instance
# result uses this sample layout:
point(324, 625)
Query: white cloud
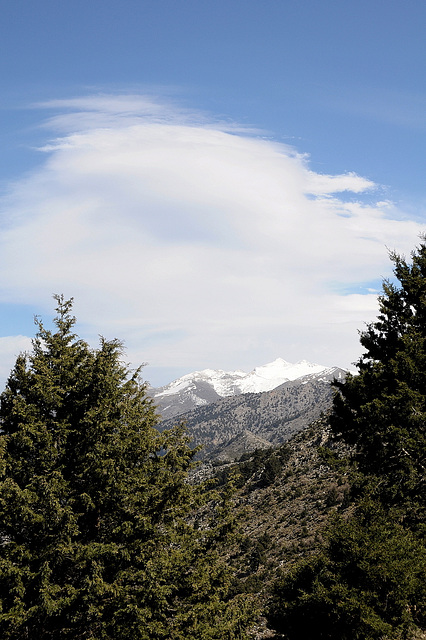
point(324, 184)
point(10, 348)
point(197, 243)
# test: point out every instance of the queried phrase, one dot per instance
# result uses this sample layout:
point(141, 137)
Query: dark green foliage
point(383, 409)
point(259, 551)
point(256, 469)
point(96, 533)
point(332, 459)
point(369, 582)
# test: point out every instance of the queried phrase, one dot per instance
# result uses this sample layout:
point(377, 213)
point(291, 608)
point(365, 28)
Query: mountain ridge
point(234, 425)
point(201, 388)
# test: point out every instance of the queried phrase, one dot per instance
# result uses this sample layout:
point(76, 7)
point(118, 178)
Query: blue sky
point(217, 183)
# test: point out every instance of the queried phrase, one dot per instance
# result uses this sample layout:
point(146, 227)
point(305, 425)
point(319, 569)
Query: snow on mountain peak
point(228, 383)
point(271, 375)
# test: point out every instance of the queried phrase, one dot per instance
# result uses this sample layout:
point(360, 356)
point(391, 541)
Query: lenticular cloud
point(196, 241)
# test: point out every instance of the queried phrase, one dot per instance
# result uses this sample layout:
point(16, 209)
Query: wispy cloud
point(197, 242)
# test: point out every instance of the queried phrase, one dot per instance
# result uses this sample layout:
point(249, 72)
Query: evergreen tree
point(370, 580)
point(382, 410)
point(99, 535)
point(367, 584)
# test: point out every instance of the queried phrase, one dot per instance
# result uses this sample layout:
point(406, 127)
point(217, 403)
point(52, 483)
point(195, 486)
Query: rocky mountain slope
point(285, 496)
point(234, 425)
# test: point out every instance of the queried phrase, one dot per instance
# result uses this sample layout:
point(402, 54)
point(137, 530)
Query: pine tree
point(99, 534)
point(369, 582)
point(382, 410)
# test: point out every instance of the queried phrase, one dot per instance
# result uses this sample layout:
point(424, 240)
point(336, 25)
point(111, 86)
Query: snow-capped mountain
point(203, 387)
point(270, 376)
